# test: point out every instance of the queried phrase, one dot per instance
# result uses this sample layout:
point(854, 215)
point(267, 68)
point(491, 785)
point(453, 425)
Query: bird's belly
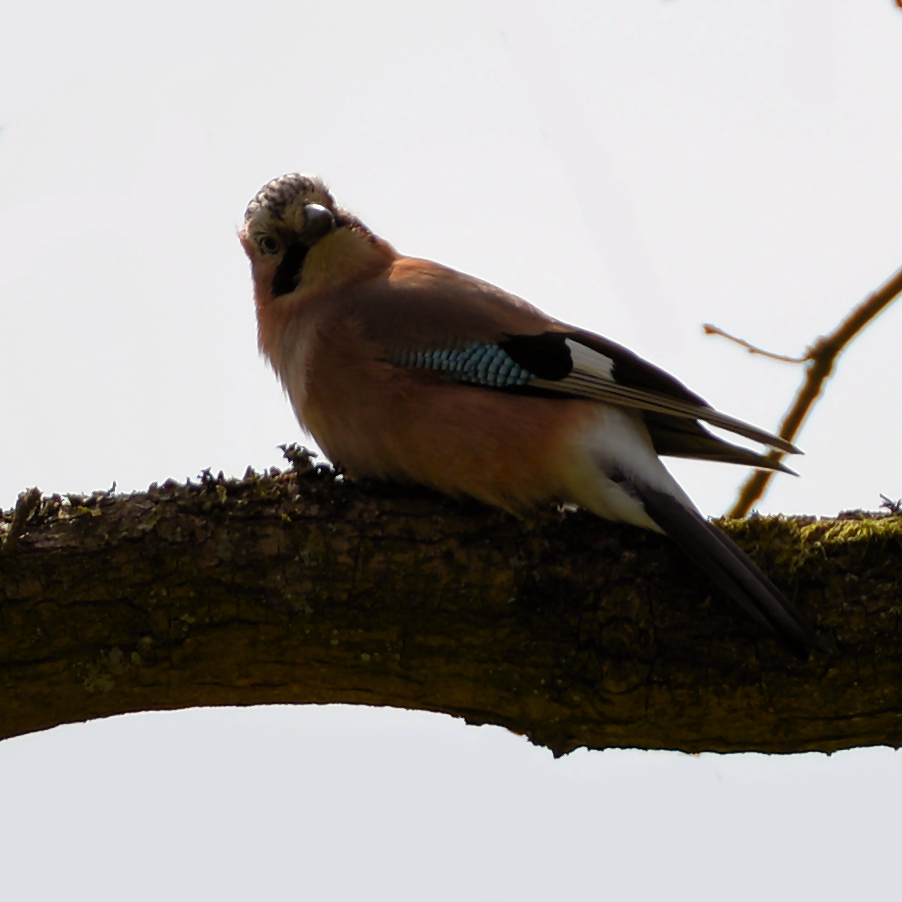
point(509, 450)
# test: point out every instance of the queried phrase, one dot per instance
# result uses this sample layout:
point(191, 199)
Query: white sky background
point(637, 168)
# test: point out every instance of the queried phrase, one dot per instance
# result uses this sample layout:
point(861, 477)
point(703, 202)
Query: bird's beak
point(318, 222)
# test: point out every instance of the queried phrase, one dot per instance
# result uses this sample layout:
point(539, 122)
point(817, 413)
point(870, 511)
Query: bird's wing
point(431, 318)
point(588, 366)
point(679, 437)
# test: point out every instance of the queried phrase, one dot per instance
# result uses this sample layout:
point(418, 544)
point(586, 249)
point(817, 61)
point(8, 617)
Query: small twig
point(299, 457)
point(25, 507)
point(821, 358)
point(894, 507)
point(716, 330)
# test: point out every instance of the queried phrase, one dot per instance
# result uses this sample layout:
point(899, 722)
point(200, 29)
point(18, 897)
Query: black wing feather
point(631, 370)
point(616, 375)
point(679, 437)
point(546, 356)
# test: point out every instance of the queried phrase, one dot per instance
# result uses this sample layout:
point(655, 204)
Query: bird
point(403, 369)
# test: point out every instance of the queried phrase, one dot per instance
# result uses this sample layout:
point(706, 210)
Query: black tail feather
point(732, 570)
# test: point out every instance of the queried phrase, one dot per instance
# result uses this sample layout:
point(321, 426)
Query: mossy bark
point(306, 588)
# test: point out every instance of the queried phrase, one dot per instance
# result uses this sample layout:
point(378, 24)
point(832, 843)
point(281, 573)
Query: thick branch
point(574, 631)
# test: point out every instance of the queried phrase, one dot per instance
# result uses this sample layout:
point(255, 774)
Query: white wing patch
point(590, 362)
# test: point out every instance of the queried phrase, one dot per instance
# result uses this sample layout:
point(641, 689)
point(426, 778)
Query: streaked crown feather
point(278, 199)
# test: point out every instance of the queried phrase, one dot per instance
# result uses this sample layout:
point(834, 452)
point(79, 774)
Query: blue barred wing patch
point(477, 363)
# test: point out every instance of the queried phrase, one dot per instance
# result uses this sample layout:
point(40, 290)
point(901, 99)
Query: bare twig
point(821, 358)
point(25, 507)
point(716, 330)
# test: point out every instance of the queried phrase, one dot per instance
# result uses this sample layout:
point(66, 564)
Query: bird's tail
point(731, 569)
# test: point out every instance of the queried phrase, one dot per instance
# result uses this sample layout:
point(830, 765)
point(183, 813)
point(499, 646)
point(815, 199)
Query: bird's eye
point(268, 244)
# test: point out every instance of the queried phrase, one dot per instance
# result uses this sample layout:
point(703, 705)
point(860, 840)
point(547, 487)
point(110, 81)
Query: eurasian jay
point(404, 369)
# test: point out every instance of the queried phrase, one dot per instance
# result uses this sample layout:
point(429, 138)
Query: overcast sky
point(636, 168)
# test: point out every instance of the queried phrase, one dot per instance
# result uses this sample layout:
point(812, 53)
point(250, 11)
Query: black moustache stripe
point(288, 273)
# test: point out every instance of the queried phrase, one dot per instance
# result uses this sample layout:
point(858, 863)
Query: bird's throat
point(287, 276)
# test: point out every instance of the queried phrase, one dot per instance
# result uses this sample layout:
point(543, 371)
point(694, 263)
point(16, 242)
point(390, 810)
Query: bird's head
point(300, 242)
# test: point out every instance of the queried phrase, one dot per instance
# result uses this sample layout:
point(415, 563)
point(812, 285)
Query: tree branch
point(821, 357)
point(306, 588)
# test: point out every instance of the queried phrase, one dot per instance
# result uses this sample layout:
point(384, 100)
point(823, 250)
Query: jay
point(406, 370)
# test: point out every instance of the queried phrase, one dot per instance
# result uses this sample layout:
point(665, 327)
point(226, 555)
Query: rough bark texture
point(305, 588)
